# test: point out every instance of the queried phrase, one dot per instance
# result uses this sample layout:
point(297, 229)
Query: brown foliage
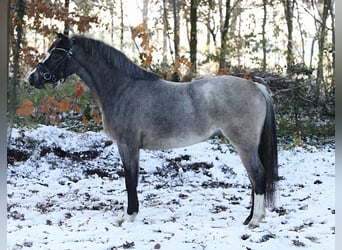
point(40, 15)
point(51, 109)
point(26, 108)
point(142, 32)
point(78, 88)
point(64, 105)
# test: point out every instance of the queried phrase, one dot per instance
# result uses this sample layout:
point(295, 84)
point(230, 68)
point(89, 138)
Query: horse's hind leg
point(130, 159)
point(256, 174)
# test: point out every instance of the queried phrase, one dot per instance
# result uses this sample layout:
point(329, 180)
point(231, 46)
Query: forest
point(286, 44)
point(65, 178)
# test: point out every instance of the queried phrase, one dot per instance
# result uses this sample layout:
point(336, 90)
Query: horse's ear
point(60, 35)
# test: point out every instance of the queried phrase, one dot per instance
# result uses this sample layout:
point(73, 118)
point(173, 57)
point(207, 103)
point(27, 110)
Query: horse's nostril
point(32, 79)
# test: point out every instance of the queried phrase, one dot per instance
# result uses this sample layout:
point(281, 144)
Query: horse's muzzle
point(35, 80)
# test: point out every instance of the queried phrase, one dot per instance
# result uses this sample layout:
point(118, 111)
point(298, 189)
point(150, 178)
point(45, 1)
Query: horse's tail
point(268, 151)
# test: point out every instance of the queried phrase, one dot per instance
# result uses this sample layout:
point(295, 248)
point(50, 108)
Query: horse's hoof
point(248, 219)
point(131, 217)
point(253, 225)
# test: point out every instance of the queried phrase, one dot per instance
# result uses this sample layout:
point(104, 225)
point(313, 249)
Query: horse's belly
point(157, 143)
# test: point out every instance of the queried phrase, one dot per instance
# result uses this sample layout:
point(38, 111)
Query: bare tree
point(229, 8)
point(332, 15)
point(165, 31)
point(176, 28)
point(288, 9)
point(324, 8)
point(211, 22)
point(176, 40)
point(121, 25)
point(145, 11)
point(66, 23)
point(193, 35)
point(322, 40)
point(224, 37)
point(264, 41)
point(331, 91)
point(18, 16)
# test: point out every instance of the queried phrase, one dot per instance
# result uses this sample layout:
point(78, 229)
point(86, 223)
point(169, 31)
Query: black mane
point(114, 57)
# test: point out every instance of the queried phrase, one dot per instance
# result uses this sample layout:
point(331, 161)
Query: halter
point(49, 74)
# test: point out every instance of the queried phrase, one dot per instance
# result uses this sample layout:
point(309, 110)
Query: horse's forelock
point(61, 42)
point(53, 45)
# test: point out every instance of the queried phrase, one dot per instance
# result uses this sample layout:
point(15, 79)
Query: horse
point(140, 110)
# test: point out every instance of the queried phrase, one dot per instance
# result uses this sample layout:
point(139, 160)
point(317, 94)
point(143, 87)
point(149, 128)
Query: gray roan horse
point(142, 111)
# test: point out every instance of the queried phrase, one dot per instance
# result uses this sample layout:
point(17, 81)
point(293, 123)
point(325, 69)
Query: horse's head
point(56, 67)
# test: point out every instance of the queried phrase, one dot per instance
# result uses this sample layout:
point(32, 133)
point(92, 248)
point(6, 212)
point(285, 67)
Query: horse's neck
point(89, 79)
point(100, 79)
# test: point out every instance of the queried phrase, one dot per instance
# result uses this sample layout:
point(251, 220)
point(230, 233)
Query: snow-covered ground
point(66, 191)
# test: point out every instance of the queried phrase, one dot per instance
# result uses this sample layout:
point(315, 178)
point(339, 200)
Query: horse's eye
point(55, 56)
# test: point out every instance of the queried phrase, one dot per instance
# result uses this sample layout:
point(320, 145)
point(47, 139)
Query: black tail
point(268, 151)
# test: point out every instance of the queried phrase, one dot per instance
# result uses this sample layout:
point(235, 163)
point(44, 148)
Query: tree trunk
point(211, 27)
point(176, 28)
point(288, 8)
point(321, 42)
point(300, 26)
point(145, 11)
point(224, 37)
point(193, 35)
point(321, 51)
point(165, 32)
point(121, 25)
point(264, 52)
point(146, 45)
point(19, 12)
point(111, 7)
point(66, 22)
point(175, 76)
point(332, 14)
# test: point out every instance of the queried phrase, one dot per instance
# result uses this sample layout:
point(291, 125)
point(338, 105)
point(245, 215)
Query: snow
point(65, 196)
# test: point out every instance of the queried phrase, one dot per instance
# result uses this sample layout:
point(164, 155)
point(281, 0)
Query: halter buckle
point(47, 76)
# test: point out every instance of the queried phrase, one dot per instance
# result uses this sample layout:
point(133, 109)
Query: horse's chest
point(108, 128)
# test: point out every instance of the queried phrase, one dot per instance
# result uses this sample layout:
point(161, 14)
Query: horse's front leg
point(130, 159)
